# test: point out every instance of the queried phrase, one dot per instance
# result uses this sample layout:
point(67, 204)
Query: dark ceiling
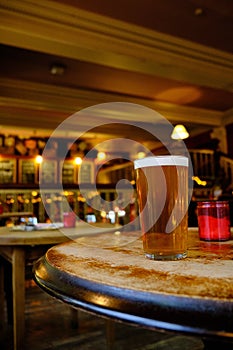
point(174, 56)
point(207, 22)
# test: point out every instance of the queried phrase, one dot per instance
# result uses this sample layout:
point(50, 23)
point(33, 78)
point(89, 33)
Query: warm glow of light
point(141, 155)
point(199, 181)
point(34, 193)
point(39, 159)
point(179, 132)
point(180, 95)
point(67, 193)
point(101, 156)
point(81, 199)
point(103, 214)
point(57, 198)
point(78, 160)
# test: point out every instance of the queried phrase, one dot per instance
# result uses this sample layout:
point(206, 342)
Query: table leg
point(18, 284)
point(110, 333)
point(74, 318)
point(7, 267)
point(1, 294)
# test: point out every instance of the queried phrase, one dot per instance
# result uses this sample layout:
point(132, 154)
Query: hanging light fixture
point(101, 156)
point(179, 132)
point(141, 154)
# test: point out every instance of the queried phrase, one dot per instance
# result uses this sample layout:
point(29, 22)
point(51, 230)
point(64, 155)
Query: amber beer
point(162, 188)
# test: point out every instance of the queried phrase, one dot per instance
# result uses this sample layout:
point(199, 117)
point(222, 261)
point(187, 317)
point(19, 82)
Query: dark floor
point(48, 326)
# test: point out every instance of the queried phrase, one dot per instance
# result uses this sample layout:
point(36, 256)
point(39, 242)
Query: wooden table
point(111, 277)
point(13, 215)
point(23, 247)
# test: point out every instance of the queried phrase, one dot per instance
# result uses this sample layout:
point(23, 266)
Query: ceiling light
point(179, 132)
point(199, 11)
point(141, 155)
point(57, 69)
point(101, 156)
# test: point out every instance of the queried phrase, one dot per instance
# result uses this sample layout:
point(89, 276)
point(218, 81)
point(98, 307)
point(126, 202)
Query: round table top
point(108, 274)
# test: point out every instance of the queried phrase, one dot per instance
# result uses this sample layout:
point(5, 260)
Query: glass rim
point(212, 202)
point(161, 161)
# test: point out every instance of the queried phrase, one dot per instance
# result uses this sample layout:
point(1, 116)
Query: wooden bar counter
point(110, 276)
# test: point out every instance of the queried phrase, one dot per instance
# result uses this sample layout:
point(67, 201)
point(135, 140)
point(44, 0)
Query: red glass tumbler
point(213, 220)
point(69, 219)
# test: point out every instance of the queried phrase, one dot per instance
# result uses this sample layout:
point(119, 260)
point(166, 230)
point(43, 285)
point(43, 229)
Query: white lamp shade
point(179, 132)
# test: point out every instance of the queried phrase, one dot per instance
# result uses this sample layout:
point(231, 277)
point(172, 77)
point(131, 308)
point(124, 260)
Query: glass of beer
point(162, 190)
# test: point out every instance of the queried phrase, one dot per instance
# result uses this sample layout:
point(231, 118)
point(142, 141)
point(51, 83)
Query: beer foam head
point(161, 161)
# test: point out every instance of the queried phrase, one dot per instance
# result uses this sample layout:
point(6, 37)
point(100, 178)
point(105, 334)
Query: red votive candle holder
point(213, 220)
point(69, 219)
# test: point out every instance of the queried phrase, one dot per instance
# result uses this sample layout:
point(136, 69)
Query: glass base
point(166, 257)
point(214, 240)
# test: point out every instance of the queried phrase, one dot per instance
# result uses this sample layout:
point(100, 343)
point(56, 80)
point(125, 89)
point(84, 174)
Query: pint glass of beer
point(162, 190)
